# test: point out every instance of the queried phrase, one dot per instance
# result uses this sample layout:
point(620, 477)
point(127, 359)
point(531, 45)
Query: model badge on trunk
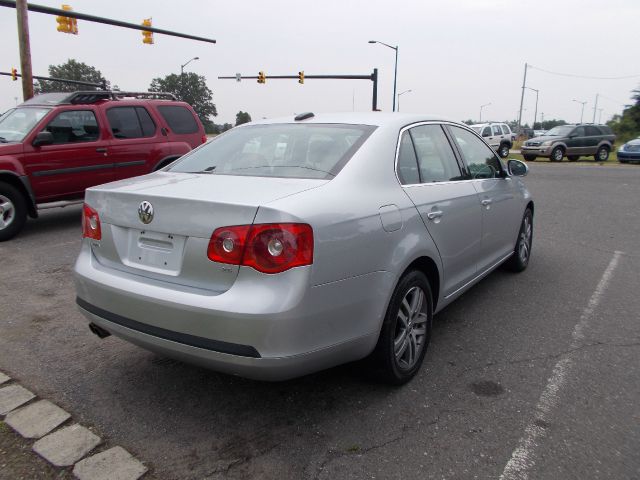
point(145, 212)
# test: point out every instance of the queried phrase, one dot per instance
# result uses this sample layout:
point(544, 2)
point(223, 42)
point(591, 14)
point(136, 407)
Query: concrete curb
point(63, 446)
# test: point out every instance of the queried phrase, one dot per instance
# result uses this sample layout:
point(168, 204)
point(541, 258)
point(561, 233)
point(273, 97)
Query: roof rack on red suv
point(55, 145)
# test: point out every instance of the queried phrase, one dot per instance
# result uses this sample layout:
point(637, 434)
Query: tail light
point(268, 248)
point(204, 139)
point(90, 223)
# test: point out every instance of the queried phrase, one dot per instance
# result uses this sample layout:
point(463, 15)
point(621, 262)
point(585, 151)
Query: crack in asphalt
point(332, 455)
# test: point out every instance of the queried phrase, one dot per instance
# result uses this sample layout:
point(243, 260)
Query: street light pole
point(395, 72)
point(182, 76)
point(401, 93)
point(481, 107)
point(582, 112)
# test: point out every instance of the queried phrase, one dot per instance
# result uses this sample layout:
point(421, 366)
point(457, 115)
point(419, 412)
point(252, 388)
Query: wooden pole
point(25, 49)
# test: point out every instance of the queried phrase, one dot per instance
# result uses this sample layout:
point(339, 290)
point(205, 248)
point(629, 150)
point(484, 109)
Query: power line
point(588, 77)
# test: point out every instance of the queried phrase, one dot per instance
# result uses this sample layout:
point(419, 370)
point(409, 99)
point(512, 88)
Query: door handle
point(434, 214)
point(486, 202)
point(101, 150)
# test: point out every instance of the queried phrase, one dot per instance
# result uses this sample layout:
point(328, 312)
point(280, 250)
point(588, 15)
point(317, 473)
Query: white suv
point(497, 135)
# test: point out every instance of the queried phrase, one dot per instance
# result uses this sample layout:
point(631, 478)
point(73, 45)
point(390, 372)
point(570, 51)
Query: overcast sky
point(454, 55)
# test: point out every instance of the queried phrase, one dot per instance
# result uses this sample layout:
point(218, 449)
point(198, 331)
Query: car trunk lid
point(186, 209)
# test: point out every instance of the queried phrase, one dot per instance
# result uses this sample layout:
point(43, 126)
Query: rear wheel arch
point(427, 266)
point(23, 187)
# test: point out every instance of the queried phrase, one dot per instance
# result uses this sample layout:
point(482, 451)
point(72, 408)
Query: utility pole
point(524, 85)
point(595, 108)
point(25, 49)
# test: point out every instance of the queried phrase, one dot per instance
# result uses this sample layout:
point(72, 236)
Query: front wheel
point(13, 211)
point(602, 155)
point(503, 151)
point(406, 330)
point(522, 251)
point(557, 154)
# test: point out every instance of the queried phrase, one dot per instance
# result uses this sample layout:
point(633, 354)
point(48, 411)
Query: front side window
point(278, 150)
point(74, 126)
point(578, 132)
point(436, 160)
point(130, 122)
point(17, 123)
point(481, 159)
point(179, 119)
point(486, 132)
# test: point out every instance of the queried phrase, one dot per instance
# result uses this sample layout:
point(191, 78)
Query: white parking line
point(522, 458)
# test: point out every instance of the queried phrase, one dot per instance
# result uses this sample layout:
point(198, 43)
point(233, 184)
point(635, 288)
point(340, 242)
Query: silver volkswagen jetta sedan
point(288, 246)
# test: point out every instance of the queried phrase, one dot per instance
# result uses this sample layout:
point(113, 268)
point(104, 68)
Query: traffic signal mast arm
point(301, 77)
point(93, 18)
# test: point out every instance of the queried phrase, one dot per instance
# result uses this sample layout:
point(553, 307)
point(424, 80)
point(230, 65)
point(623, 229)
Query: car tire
point(530, 158)
point(13, 211)
point(522, 251)
point(573, 158)
point(557, 154)
point(503, 151)
point(602, 155)
point(406, 331)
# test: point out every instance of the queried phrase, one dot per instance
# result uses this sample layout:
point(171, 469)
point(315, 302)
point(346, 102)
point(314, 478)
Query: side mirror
point(43, 138)
point(517, 168)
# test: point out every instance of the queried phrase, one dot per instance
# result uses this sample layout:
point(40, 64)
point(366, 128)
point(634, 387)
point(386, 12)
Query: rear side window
point(578, 132)
point(505, 130)
point(606, 130)
point(130, 122)
point(179, 119)
point(407, 162)
point(592, 131)
point(436, 160)
point(497, 130)
point(278, 150)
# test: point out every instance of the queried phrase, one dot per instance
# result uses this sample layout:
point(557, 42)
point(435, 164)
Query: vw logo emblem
point(145, 212)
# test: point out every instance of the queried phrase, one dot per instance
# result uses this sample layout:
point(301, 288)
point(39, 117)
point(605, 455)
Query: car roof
point(379, 119)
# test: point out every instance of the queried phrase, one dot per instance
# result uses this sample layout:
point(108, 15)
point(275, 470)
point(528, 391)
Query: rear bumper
point(266, 327)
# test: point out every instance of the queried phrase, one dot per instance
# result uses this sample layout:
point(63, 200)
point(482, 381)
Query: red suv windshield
point(15, 125)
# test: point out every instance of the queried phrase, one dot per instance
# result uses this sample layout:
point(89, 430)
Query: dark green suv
point(572, 141)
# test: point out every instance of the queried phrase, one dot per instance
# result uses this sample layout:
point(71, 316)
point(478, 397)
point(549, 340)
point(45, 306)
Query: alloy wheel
point(411, 328)
point(524, 245)
point(7, 212)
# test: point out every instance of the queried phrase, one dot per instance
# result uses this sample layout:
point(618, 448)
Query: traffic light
point(301, 77)
point(147, 36)
point(262, 78)
point(14, 74)
point(67, 24)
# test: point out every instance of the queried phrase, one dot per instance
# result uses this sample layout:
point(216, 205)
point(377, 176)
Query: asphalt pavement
point(532, 375)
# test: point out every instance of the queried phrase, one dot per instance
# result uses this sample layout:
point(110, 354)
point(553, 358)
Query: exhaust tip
point(99, 331)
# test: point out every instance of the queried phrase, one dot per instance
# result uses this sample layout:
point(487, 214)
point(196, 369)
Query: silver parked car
point(288, 246)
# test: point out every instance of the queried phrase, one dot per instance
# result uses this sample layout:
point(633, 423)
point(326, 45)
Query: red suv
point(54, 146)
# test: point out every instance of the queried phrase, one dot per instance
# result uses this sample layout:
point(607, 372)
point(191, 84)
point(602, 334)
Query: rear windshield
point(278, 150)
point(179, 119)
